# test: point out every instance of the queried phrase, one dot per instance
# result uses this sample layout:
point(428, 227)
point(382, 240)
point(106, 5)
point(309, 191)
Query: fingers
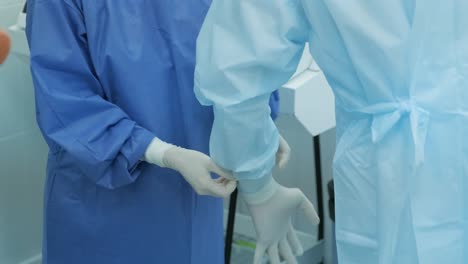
point(286, 252)
point(282, 160)
point(294, 242)
point(230, 186)
point(221, 187)
point(308, 208)
point(221, 172)
point(221, 180)
point(212, 188)
point(259, 253)
point(273, 254)
point(284, 153)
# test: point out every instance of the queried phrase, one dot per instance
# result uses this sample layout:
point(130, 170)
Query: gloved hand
point(283, 154)
point(272, 209)
point(194, 166)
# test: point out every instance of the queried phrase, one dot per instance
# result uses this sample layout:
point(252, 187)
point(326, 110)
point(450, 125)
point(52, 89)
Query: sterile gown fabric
point(108, 77)
point(399, 72)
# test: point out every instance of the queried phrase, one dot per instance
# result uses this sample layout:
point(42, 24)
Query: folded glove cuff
point(155, 152)
point(261, 195)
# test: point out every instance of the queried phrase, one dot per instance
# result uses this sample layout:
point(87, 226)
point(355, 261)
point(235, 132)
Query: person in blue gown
point(109, 78)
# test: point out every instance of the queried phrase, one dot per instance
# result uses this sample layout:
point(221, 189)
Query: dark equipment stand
point(318, 182)
point(230, 227)
point(233, 204)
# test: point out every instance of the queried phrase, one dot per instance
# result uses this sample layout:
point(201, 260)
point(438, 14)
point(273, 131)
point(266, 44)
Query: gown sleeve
point(245, 51)
point(73, 114)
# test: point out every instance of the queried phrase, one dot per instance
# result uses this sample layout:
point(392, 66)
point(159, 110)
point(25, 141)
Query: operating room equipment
point(21, 20)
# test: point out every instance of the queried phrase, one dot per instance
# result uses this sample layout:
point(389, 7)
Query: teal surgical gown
point(109, 75)
point(399, 72)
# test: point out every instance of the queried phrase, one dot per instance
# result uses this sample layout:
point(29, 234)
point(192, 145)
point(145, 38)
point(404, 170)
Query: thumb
point(259, 253)
point(220, 171)
point(308, 208)
point(283, 154)
point(282, 159)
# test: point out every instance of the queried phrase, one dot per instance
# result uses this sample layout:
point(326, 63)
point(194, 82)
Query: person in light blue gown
point(399, 72)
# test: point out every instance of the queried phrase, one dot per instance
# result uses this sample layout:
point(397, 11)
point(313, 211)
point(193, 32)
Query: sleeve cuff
point(256, 169)
point(199, 91)
point(259, 190)
point(155, 152)
point(254, 185)
point(135, 147)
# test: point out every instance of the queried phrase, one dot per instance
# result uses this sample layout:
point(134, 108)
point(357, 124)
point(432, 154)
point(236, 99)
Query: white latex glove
point(283, 154)
point(272, 209)
point(194, 166)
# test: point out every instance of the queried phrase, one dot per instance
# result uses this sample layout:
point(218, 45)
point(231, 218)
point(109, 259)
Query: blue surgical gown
point(399, 72)
point(109, 76)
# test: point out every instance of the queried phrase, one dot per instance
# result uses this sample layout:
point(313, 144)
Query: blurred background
point(23, 153)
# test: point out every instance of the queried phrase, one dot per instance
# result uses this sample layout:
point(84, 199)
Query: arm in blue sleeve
point(72, 110)
point(274, 104)
point(245, 51)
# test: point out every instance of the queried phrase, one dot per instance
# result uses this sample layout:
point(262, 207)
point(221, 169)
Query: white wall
point(22, 156)
point(8, 11)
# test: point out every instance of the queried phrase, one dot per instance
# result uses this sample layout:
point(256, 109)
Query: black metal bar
point(230, 227)
point(318, 181)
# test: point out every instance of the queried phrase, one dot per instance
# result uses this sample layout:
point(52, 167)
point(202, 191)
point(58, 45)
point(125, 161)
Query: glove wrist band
point(263, 194)
point(155, 152)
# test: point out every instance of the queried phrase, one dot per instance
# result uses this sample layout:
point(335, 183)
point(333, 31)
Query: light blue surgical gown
point(109, 76)
point(399, 72)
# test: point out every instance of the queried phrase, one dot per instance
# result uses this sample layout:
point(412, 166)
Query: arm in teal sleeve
point(75, 117)
point(246, 50)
